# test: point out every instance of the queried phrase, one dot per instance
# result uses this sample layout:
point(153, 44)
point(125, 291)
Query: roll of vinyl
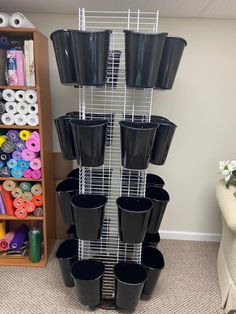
point(9, 185)
point(36, 174)
point(12, 163)
point(2, 107)
point(12, 135)
point(2, 228)
point(19, 146)
point(25, 186)
point(18, 202)
point(35, 164)
point(4, 20)
point(36, 189)
point(7, 147)
point(33, 144)
point(16, 192)
point(32, 119)
point(35, 245)
point(10, 107)
point(21, 212)
point(28, 155)
point(5, 242)
point(8, 95)
point(20, 119)
point(16, 155)
point(24, 135)
point(23, 164)
point(29, 206)
point(2, 205)
point(16, 172)
point(8, 119)
point(8, 201)
point(27, 196)
point(38, 212)
point(18, 20)
point(5, 157)
point(27, 173)
point(5, 172)
point(38, 200)
point(33, 108)
point(31, 96)
point(3, 139)
point(22, 107)
point(20, 236)
point(20, 96)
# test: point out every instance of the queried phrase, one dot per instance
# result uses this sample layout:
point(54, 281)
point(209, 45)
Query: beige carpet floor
point(188, 285)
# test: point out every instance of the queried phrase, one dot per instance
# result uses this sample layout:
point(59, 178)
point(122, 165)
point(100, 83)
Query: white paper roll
point(9, 94)
point(18, 20)
point(31, 96)
point(20, 95)
point(32, 119)
point(8, 118)
point(20, 119)
point(11, 107)
point(22, 107)
point(33, 109)
point(4, 20)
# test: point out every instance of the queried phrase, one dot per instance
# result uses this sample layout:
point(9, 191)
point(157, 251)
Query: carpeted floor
point(188, 285)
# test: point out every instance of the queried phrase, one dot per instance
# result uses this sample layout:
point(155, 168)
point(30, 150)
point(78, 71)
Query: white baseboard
point(191, 236)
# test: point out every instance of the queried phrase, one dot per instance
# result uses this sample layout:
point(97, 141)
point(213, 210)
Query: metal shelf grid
point(117, 102)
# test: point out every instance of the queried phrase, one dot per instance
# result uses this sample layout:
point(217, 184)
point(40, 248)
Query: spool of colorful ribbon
point(5, 242)
point(33, 144)
point(23, 164)
point(16, 155)
point(27, 196)
point(2, 228)
point(38, 212)
point(26, 154)
point(35, 164)
point(38, 200)
point(3, 139)
point(35, 245)
point(19, 238)
point(16, 192)
point(12, 163)
point(9, 185)
point(12, 135)
point(21, 213)
point(5, 172)
point(25, 186)
point(29, 206)
point(16, 172)
point(36, 174)
point(27, 173)
point(5, 157)
point(2, 205)
point(19, 146)
point(19, 202)
point(8, 201)
point(24, 134)
point(7, 147)
point(36, 189)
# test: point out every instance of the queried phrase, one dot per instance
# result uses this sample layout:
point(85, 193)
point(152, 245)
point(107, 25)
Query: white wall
point(202, 104)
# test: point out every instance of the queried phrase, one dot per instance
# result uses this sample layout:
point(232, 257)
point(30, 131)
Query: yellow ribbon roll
point(24, 134)
point(36, 189)
point(2, 228)
point(16, 193)
point(9, 185)
point(3, 139)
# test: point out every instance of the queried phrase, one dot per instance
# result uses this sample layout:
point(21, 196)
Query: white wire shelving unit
point(116, 102)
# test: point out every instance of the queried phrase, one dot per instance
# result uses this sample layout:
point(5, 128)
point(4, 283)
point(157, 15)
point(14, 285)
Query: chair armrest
point(227, 203)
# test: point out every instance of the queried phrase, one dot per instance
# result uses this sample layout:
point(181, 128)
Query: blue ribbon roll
point(23, 164)
point(12, 163)
point(16, 172)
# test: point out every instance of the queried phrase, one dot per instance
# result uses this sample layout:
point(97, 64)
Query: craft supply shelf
point(44, 128)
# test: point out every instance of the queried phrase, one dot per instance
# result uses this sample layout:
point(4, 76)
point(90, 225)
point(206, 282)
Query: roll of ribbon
point(5, 157)
point(25, 186)
point(24, 134)
point(2, 205)
point(5, 172)
point(38, 200)
point(4, 20)
point(36, 174)
point(9, 185)
point(38, 212)
point(17, 172)
point(8, 95)
point(12, 163)
point(35, 135)
point(16, 155)
point(4, 42)
point(12, 135)
point(27, 173)
point(33, 144)
point(8, 201)
point(27, 196)
point(20, 95)
point(31, 96)
point(35, 245)
point(2, 107)
point(18, 202)
point(10, 107)
point(23, 164)
point(33, 108)
point(18, 20)
point(20, 119)
point(19, 146)
point(29, 206)
point(21, 212)
point(36, 189)
point(1, 164)
point(2, 228)
point(8, 119)
point(22, 108)
point(7, 147)
point(20, 236)
point(3, 139)
point(5, 242)
point(28, 155)
point(16, 192)
point(35, 164)
point(32, 119)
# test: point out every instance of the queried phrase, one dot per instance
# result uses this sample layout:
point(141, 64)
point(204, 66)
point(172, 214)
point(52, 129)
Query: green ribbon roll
point(25, 186)
point(34, 245)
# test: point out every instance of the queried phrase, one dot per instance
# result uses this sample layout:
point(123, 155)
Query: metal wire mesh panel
point(114, 102)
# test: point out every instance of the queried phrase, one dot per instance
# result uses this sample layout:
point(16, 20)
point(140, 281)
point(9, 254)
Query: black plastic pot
point(163, 139)
point(142, 58)
point(65, 138)
point(153, 261)
point(129, 283)
point(170, 60)
point(71, 232)
point(88, 210)
point(89, 138)
point(90, 51)
point(133, 216)
point(136, 143)
point(154, 180)
point(151, 239)
point(65, 190)
point(65, 59)
point(113, 67)
point(67, 255)
point(88, 276)
point(160, 198)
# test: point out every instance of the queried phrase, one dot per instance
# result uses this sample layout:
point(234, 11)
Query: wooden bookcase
point(45, 129)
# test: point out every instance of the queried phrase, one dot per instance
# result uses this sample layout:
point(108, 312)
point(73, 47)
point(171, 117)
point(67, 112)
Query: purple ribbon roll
point(16, 155)
point(2, 206)
point(19, 238)
point(13, 135)
point(19, 145)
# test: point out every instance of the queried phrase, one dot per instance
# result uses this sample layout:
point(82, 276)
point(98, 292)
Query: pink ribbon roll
point(28, 155)
point(33, 144)
point(27, 173)
point(35, 164)
point(36, 174)
point(35, 134)
point(5, 242)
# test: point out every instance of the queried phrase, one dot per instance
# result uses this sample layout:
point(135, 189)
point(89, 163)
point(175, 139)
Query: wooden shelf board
point(22, 262)
point(17, 87)
point(20, 127)
point(17, 30)
point(29, 217)
point(19, 179)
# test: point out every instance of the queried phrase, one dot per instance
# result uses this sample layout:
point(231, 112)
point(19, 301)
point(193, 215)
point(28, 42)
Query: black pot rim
point(155, 176)
point(59, 31)
point(158, 255)
point(134, 211)
point(65, 181)
point(177, 37)
point(130, 263)
point(155, 198)
point(88, 123)
point(141, 126)
point(91, 261)
point(62, 117)
point(144, 33)
point(166, 122)
point(90, 32)
point(62, 244)
point(102, 199)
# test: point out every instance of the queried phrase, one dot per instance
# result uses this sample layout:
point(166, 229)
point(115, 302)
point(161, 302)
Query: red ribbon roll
point(21, 212)
point(8, 201)
point(38, 200)
point(18, 202)
point(29, 206)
